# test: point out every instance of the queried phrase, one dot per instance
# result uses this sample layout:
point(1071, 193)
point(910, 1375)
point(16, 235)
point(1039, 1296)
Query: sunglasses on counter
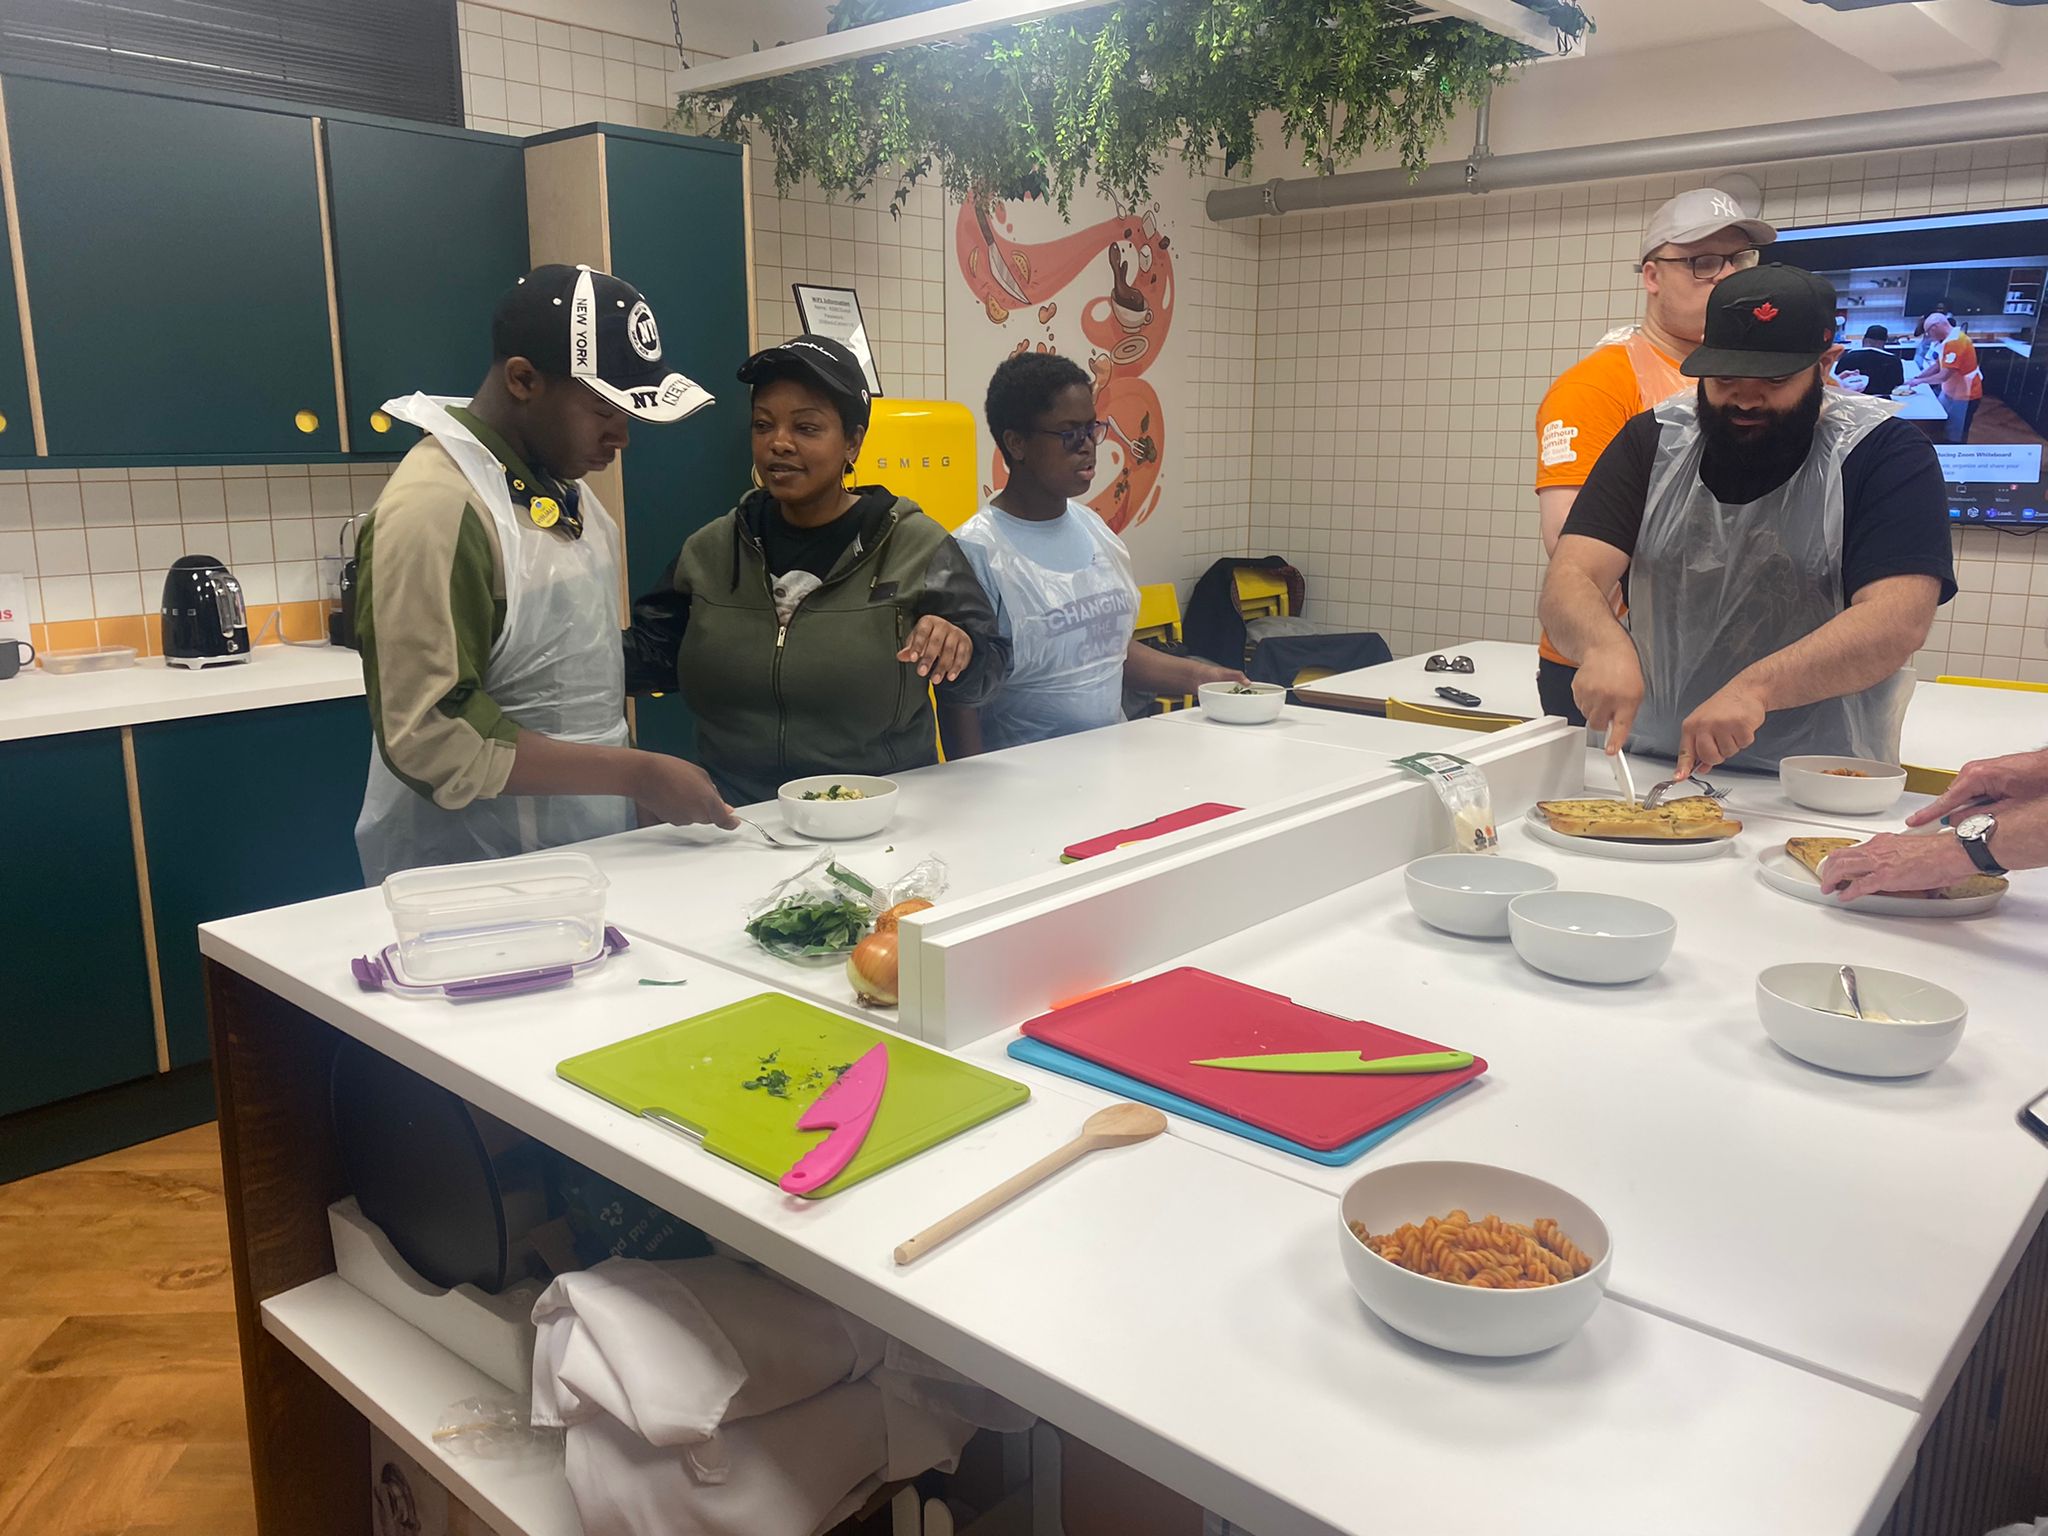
point(1449, 664)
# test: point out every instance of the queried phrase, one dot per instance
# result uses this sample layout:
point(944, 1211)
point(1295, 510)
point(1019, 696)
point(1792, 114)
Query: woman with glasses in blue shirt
point(1060, 579)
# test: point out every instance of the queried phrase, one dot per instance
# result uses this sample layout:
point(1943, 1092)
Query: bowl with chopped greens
point(838, 808)
point(1242, 703)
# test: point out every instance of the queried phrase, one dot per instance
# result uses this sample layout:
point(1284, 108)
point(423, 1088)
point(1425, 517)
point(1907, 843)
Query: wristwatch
point(1974, 833)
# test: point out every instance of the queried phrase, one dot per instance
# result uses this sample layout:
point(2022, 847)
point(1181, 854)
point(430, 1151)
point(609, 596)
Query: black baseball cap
point(817, 360)
point(598, 330)
point(1763, 323)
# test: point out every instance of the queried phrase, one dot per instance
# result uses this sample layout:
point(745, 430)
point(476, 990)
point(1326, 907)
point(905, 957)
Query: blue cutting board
point(1038, 1054)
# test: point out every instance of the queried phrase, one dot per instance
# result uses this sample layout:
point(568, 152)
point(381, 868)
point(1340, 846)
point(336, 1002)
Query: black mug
point(11, 659)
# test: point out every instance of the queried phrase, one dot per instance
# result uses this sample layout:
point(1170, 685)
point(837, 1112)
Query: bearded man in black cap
point(1784, 546)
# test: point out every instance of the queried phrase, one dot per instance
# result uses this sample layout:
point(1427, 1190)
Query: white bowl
point(1224, 701)
point(1806, 781)
point(1460, 1317)
point(1796, 1003)
point(1468, 893)
point(833, 820)
point(1585, 936)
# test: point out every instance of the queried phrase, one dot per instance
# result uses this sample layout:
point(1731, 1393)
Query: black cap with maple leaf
point(1764, 323)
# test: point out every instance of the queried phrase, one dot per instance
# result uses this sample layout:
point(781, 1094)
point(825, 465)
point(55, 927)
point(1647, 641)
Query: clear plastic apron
point(1657, 377)
point(1070, 631)
point(1714, 588)
point(556, 669)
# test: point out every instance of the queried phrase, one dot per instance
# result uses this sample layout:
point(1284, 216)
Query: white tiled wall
point(524, 75)
point(1216, 315)
point(95, 543)
point(1402, 351)
point(894, 262)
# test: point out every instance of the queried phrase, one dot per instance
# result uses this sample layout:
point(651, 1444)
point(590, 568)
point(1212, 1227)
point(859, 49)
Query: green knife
point(1342, 1061)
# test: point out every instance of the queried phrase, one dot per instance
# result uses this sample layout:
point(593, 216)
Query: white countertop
point(1947, 725)
point(38, 703)
point(1181, 1309)
point(1734, 1177)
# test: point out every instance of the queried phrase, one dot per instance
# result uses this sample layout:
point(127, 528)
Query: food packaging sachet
point(1465, 794)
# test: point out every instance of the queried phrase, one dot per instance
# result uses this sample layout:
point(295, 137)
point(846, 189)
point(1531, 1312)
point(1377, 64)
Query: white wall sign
point(835, 313)
point(13, 607)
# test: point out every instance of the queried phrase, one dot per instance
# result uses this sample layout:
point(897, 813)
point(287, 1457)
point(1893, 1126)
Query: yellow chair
point(1260, 596)
point(1159, 612)
point(1460, 719)
point(1994, 682)
point(1159, 619)
point(1928, 781)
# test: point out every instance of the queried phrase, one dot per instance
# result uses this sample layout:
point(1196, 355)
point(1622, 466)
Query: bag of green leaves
point(822, 913)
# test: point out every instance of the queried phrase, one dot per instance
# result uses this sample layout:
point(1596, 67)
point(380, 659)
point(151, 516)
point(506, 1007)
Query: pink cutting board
point(1154, 1029)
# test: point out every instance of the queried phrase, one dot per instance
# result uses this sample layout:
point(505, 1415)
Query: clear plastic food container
point(97, 658)
point(459, 922)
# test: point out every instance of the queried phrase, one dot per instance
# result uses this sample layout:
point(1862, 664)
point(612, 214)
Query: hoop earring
point(759, 484)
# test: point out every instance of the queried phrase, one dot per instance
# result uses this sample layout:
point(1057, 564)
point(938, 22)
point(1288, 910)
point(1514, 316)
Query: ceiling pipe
point(1895, 128)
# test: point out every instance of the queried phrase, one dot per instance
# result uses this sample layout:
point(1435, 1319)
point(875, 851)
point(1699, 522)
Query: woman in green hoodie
point(806, 626)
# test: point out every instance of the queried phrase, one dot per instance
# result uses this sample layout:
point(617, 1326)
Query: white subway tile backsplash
point(61, 552)
point(202, 501)
point(247, 500)
point(54, 503)
point(117, 593)
point(154, 501)
point(14, 513)
point(110, 549)
point(67, 597)
point(249, 543)
point(156, 546)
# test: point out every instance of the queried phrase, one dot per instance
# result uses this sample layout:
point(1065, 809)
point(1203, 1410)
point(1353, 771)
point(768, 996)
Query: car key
point(1459, 696)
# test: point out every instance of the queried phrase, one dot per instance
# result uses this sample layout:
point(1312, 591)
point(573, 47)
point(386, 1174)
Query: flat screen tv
point(1986, 271)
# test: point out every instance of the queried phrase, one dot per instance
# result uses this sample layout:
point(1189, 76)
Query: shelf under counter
point(403, 1382)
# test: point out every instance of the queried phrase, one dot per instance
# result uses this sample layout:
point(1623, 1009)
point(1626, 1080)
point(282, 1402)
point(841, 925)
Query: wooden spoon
point(1120, 1125)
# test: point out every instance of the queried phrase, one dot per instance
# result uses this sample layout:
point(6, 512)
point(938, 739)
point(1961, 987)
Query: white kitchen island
point(1801, 1261)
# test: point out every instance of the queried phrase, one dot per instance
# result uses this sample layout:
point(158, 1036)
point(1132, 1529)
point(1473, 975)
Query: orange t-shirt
point(1582, 411)
point(1960, 379)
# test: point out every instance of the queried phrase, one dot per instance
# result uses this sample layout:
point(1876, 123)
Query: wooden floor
point(120, 1395)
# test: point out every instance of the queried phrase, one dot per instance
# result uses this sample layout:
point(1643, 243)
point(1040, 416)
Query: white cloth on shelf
point(708, 1398)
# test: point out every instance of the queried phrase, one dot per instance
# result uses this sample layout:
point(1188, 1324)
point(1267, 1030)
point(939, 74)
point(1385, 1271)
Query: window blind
point(394, 58)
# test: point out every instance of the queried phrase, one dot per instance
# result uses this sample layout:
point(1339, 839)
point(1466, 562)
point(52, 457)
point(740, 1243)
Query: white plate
point(1645, 853)
point(1782, 872)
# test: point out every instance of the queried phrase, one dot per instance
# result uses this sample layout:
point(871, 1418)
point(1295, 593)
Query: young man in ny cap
point(1690, 244)
point(488, 604)
point(1785, 547)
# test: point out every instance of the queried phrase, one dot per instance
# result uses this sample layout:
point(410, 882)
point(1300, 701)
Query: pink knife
point(847, 1110)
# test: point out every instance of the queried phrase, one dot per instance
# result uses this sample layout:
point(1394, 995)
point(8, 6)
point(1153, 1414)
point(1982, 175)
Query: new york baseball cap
point(1697, 214)
point(819, 360)
point(598, 330)
point(1761, 324)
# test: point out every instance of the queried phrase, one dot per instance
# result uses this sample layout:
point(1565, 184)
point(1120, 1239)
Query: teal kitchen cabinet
point(17, 426)
point(429, 229)
point(677, 216)
point(74, 976)
point(176, 274)
point(243, 812)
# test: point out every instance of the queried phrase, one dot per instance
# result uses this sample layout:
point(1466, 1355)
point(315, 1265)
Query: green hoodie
point(824, 693)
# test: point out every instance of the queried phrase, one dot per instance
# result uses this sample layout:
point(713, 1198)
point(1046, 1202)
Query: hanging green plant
point(1107, 95)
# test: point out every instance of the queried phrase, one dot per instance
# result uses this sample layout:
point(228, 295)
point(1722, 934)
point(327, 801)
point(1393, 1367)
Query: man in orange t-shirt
point(1690, 244)
point(1955, 364)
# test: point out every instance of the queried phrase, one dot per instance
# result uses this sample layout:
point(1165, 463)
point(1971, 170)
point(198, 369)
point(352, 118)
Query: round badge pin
point(545, 511)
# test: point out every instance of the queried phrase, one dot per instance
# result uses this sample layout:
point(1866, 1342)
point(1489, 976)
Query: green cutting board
point(693, 1074)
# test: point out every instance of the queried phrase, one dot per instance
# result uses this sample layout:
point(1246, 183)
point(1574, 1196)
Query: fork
point(1658, 791)
point(794, 842)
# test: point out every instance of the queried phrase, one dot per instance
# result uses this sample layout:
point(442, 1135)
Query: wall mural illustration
point(1101, 294)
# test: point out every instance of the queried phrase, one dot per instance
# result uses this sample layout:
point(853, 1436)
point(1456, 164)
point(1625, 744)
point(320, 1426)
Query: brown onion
point(872, 970)
point(888, 921)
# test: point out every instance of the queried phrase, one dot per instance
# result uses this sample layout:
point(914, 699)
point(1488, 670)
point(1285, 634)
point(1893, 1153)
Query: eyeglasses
point(1709, 265)
point(1449, 664)
point(1074, 439)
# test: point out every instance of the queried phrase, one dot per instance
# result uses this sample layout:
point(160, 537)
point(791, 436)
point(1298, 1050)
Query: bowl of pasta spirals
point(1473, 1258)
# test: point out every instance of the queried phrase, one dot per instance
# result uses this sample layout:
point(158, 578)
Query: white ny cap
point(1697, 214)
